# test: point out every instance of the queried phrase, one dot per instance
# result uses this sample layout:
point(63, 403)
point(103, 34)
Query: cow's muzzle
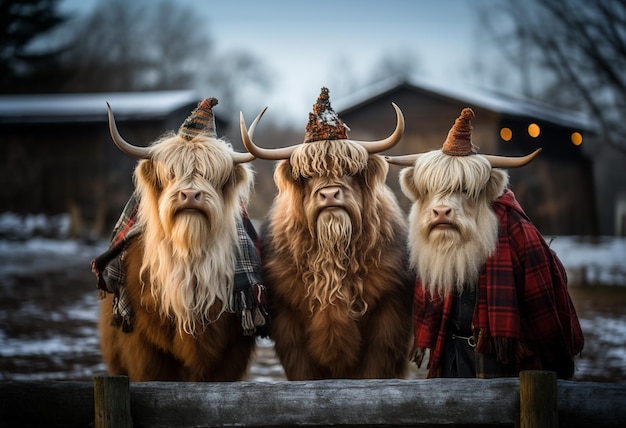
point(190, 199)
point(332, 196)
point(442, 217)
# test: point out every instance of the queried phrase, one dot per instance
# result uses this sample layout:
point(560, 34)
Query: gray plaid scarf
point(250, 301)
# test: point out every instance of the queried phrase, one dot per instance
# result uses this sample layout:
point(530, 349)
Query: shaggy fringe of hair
point(189, 258)
point(443, 174)
point(330, 275)
point(332, 158)
point(448, 260)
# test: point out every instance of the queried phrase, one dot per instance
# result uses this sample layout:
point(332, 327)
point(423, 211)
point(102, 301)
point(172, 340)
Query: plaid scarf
point(250, 301)
point(524, 313)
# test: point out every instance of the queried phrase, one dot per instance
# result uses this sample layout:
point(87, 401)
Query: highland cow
point(491, 297)
point(334, 255)
point(173, 297)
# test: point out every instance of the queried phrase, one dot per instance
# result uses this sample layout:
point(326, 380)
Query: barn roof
point(49, 108)
point(478, 98)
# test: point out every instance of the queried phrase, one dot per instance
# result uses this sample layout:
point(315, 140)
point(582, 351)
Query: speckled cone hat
point(200, 121)
point(324, 124)
point(459, 141)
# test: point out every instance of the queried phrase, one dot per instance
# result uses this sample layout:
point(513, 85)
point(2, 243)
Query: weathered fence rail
point(418, 403)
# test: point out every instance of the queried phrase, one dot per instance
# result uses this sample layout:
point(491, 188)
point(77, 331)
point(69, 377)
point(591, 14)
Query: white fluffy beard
point(191, 269)
point(330, 264)
point(447, 260)
point(189, 235)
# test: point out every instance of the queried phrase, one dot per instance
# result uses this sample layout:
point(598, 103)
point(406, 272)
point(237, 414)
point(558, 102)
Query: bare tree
point(142, 45)
point(175, 55)
point(236, 78)
point(576, 49)
point(27, 63)
point(126, 46)
point(342, 77)
point(398, 64)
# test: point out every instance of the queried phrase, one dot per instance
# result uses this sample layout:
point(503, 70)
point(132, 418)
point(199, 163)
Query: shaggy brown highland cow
point(178, 273)
point(334, 254)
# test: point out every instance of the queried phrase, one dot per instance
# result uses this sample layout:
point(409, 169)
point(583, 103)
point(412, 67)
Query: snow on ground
point(43, 337)
point(592, 260)
point(588, 260)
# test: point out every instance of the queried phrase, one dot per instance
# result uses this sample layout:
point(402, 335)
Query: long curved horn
point(144, 152)
point(495, 161)
point(248, 157)
point(405, 160)
point(511, 162)
point(389, 142)
point(242, 157)
point(129, 149)
point(268, 154)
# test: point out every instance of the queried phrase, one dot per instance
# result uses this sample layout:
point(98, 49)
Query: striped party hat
point(200, 121)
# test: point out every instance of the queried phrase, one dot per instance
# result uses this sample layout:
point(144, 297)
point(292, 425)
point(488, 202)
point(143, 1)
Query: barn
point(556, 190)
point(56, 153)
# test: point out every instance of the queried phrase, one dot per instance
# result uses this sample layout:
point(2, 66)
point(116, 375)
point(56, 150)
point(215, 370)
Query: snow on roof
point(87, 107)
point(474, 97)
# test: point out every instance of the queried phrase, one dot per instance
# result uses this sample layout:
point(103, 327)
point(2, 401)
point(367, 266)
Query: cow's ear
point(240, 182)
point(283, 176)
point(407, 184)
point(376, 171)
point(146, 173)
point(498, 181)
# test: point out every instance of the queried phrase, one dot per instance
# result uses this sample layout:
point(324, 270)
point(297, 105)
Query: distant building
point(57, 156)
point(556, 189)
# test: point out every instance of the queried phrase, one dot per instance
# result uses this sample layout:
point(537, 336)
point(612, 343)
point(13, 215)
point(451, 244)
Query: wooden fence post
point(538, 399)
point(111, 396)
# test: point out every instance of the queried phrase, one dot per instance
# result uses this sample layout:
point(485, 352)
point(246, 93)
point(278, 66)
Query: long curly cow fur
point(179, 272)
point(338, 278)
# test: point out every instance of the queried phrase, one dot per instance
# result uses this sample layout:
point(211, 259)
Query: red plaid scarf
point(524, 308)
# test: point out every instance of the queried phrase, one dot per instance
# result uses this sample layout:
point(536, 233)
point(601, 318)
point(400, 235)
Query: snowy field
point(48, 309)
point(599, 261)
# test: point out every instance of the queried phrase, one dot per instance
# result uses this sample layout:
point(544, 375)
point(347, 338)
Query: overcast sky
point(310, 44)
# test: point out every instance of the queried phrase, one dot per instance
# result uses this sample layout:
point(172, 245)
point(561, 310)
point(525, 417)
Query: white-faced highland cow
point(174, 294)
point(491, 297)
point(334, 254)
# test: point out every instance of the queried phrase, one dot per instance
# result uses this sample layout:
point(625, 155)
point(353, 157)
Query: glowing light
point(534, 130)
point(506, 134)
point(577, 138)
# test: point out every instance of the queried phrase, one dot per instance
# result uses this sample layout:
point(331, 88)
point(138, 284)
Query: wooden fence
point(535, 399)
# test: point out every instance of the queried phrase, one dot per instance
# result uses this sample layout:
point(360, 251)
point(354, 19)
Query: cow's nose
point(186, 195)
point(441, 213)
point(189, 196)
point(331, 195)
